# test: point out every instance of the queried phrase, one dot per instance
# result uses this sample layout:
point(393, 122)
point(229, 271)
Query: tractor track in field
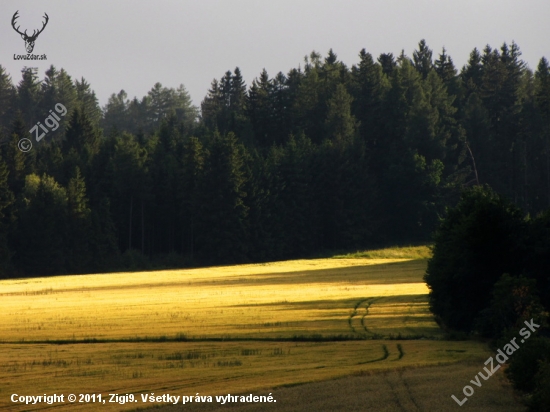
point(368, 302)
point(354, 313)
point(386, 355)
point(401, 391)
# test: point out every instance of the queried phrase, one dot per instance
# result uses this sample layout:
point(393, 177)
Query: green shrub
point(540, 402)
point(514, 300)
point(525, 363)
point(479, 240)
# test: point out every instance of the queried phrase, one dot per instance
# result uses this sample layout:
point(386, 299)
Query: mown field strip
point(422, 389)
point(209, 368)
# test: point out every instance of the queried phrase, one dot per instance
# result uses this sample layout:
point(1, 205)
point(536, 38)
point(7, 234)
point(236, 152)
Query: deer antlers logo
point(29, 40)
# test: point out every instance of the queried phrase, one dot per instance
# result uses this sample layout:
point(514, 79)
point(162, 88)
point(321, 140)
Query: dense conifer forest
point(325, 157)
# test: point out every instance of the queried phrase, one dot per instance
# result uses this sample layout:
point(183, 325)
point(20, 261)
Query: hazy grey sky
point(131, 45)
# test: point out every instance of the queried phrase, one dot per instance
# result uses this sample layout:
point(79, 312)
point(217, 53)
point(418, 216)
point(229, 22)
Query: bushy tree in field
point(525, 364)
point(480, 239)
point(514, 300)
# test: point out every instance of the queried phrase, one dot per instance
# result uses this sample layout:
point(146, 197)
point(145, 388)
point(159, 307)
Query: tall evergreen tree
point(87, 100)
point(78, 225)
point(8, 103)
point(542, 102)
point(387, 62)
point(115, 112)
point(58, 87)
point(128, 190)
point(369, 86)
point(212, 107)
point(422, 59)
point(187, 193)
point(260, 109)
point(6, 201)
point(222, 226)
point(340, 123)
point(29, 94)
point(472, 73)
point(42, 227)
point(17, 161)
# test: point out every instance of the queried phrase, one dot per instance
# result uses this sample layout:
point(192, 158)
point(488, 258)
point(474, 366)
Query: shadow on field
point(375, 274)
point(410, 271)
point(423, 389)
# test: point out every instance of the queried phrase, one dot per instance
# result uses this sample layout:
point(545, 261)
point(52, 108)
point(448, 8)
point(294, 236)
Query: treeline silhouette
point(326, 157)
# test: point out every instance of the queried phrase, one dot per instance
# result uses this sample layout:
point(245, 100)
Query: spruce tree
point(41, 234)
point(78, 225)
point(222, 226)
point(187, 193)
point(8, 102)
point(6, 220)
point(29, 94)
point(422, 59)
point(88, 102)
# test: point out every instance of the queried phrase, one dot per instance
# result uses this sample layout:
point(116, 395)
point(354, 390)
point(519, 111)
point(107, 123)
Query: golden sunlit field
point(276, 300)
point(219, 330)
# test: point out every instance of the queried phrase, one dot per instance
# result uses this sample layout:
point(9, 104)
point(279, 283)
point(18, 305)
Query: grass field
point(325, 297)
point(420, 389)
point(219, 330)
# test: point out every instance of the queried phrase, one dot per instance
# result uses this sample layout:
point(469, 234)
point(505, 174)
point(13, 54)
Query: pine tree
point(387, 62)
point(8, 102)
point(340, 123)
point(317, 86)
point(28, 91)
point(282, 96)
point(80, 145)
point(445, 69)
point(6, 201)
point(58, 87)
point(260, 110)
point(17, 161)
point(41, 234)
point(183, 107)
point(542, 102)
point(79, 225)
point(88, 102)
point(422, 59)
point(500, 94)
point(369, 86)
point(296, 224)
point(115, 113)
point(212, 107)
point(103, 239)
point(164, 172)
point(128, 190)
point(187, 193)
point(222, 226)
point(472, 73)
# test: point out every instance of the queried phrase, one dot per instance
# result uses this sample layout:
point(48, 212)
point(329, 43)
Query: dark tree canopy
point(319, 158)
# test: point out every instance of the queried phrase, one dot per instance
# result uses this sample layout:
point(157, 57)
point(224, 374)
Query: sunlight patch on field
point(274, 300)
point(325, 305)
